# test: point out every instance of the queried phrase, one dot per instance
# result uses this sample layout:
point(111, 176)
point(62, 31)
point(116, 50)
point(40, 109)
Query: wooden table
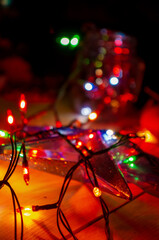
point(138, 219)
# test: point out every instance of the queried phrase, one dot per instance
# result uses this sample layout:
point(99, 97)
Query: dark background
point(32, 27)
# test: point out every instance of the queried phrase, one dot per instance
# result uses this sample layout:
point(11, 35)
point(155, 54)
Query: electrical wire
point(11, 168)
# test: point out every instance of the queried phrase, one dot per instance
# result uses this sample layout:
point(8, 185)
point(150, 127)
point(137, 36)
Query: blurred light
point(99, 81)
point(115, 103)
point(118, 50)
point(100, 56)
point(85, 111)
point(118, 41)
point(102, 50)
point(26, 211)
point(149, 137)
point(130, 159)
point(107, 100)
point(88, 86)
point(22, 103)
point(98, 64)
point(117, 71)
point(132, 165)
point(5, 3)
point(97, 192)
point(64, 41)
point(26, 175)
point(75, 40)
point(92, 116)
point(114, 81)
point(125, 51)
point(34, 152)
point(79, 144)
point(91, 135)
point(58, 124)
point(99, 72)
point(2, 133)
point(25, 170)
point(110, 132)
point(10, 118)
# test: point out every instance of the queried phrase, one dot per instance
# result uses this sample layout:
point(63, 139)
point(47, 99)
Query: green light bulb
point(130, 159)
point(74, 41)
point(64, 41)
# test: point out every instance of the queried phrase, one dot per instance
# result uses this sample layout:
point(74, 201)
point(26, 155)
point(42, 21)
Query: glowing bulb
point(79, 144)
point(118, 50)
point(114, 81)
point(91, 135)
point(149, 137)
point(92, 116)
point(2, 133)
point(97, 192)
point(22, 104)
point(10, 119)
point(88, 86)
point(75, 40)
point(34, 152)
point(132, 165)
point(99, 72)
point(25, 171)
point(64, 41)
point(118, 41)
point(85, 111)
point(99, 81)
point(110, 132)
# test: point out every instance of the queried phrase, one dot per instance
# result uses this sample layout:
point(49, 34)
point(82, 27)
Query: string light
point(2, 133)
point(25, 165)
point(75, 40)
point(85, 157)
point(64, 41)
point(88, 86)
point(10, 118)
point(91, 135)
point(85, 111)
point(92, 116)
point(97, 192)
point(114, 81)
point(22, 103)
point(118, 41)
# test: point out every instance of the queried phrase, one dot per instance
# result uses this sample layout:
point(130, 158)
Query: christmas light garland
point(21, 136)
point(11, 168)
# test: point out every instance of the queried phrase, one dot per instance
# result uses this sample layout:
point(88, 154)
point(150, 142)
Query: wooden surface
point(138, 219)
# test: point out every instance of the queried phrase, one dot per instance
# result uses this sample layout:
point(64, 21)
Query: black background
point(36, 24)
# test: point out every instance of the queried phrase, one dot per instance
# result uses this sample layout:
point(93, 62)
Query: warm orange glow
point(97, 192)
point(27, 211)
point(34, 152)
point(79, 144)
point(91, 135)
point(92, 116)
point(25, 171)
point(85, 152)
point(149, 137)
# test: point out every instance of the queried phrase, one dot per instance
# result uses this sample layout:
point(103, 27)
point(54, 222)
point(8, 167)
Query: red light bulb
point(10, 118)
point(22, 103)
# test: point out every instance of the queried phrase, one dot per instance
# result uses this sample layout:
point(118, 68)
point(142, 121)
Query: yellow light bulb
point(92, 116)
point(97, 192)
